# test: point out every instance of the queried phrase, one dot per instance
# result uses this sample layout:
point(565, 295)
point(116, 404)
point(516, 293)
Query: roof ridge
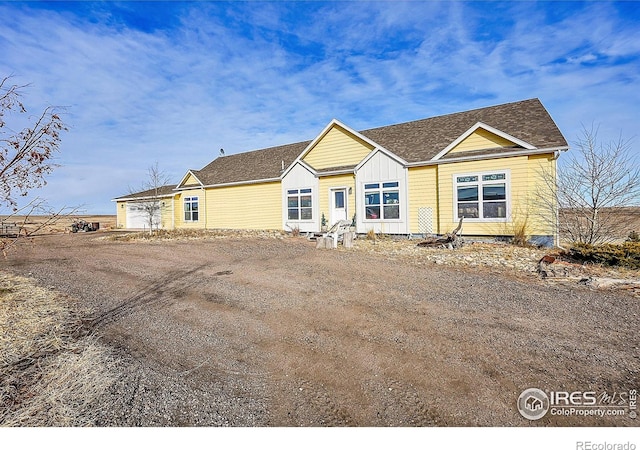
point(469, 111)
point(244, 152)
point(412, 141)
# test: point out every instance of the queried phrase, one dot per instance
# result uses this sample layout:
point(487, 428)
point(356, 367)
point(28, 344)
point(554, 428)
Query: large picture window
point(382, 201)
point(482, 196)
point(191, 209)
point(299, 204)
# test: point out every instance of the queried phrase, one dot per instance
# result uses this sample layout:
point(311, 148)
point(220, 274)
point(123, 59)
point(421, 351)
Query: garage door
point(137, 217)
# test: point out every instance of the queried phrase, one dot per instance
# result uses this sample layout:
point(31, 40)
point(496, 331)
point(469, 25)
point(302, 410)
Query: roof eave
point(523, 152)
point(233, 183)
point(335, 172)
point(147, 197)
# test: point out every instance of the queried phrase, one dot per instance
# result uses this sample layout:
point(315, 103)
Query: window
point(482, 196)
point(339, 199)
point(299, 205)
point(382, 201)
point(191, 209)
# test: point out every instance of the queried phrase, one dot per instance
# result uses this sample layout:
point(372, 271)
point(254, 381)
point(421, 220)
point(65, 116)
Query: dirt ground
point(272, 332)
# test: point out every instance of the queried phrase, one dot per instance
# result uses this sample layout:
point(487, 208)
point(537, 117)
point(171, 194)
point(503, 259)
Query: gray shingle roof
point(421, 140)
point(256, 165)
point(162, 191)
point(415, 141)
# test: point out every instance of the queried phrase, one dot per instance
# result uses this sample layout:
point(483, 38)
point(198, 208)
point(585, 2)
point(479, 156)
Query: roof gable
point(422, 140)
point(336, 146)
point(383, 151)
point(483, 137)
point(189, 180)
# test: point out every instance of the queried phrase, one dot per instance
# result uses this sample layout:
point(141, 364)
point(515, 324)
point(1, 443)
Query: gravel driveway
point(272, 332)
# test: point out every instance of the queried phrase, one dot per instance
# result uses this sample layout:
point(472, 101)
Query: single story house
point(418, 177)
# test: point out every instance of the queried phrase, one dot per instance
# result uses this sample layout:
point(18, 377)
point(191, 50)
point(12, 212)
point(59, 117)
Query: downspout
point(556, 231)
point(407, 215)
point(438, 212)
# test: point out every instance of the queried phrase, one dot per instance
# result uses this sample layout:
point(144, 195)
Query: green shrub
point(626, 254)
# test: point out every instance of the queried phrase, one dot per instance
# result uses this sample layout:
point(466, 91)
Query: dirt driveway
point(272, 332)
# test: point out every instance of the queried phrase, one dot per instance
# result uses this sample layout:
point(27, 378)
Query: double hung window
point(191, 209)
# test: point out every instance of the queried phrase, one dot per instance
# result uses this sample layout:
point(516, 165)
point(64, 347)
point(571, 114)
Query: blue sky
point(174, 82)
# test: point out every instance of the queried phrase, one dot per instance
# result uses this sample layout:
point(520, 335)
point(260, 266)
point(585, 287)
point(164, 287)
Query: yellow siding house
point(487, 166)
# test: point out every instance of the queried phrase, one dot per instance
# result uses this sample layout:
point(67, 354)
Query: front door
point(338, 205)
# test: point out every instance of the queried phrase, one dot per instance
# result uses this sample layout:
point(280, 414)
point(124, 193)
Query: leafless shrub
point(590, 188)
point(295, 230)
point(153, 187)
point(521, 234)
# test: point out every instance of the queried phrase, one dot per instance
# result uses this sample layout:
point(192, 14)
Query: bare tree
point(152, 190)
point(591, 188)
point(25, 156)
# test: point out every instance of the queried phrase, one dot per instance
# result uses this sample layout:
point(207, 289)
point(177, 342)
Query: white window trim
point(480, 183)
point(184, 209)
point(286, 202)
point(381, 190)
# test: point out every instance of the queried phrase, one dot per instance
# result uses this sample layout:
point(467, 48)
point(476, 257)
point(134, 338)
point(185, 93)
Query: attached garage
point(137, 216)
point(133, 209)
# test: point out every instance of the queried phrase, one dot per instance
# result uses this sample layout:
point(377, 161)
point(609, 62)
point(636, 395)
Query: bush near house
point(626, 254)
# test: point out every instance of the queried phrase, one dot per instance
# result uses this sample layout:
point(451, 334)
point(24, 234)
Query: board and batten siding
point(423, 193)
point(337, 148)
point(518, 189)
point(481, 140)
point(380, 168)
point(326, 184)
point(300, 178)
point(248, 206)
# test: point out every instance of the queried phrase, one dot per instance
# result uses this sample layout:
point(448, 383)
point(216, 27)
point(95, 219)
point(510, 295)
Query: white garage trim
point(137, 217)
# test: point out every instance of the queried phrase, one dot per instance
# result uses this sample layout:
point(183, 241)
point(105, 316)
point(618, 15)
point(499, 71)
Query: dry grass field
point(623, 221)
point(60, 225)
point(51, 372)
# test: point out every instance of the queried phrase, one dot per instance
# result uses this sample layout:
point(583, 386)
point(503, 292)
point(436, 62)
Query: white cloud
point(251, 75)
